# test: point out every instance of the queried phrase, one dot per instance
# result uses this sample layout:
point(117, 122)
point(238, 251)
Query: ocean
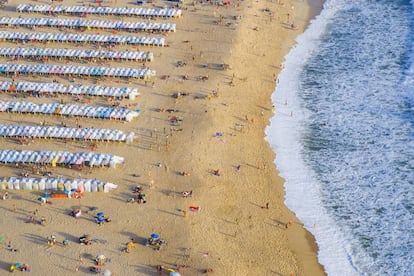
point(344, 137)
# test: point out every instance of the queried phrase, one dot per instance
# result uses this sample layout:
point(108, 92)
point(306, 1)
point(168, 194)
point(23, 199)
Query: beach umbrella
point(155, 236)
point(100, 214)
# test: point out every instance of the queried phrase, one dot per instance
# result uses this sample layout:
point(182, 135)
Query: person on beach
point(65, 242)
point(187, 193)
point(151, 184)
point(138, 189)
point(51, 241)
point(86, 239)
point(5, 196)
point(141, 198)
point(159, 269)
point(130, 244)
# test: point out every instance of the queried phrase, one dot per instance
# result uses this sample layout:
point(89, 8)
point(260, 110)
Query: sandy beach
point(217, 138)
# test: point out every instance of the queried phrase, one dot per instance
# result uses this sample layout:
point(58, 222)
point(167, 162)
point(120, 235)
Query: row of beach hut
point(84, 10)
point(78, 89)
point(55, 184)
point(81, 38)
point(86, 111)
point(90, 71)
point(60, 132)
point(88, 24)
point(64, 158)
point(55, 158)
point(76, 54)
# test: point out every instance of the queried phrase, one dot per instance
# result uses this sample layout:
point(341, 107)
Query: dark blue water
point(343, 133)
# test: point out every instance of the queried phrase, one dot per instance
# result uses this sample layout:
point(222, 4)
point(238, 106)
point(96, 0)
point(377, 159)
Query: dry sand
point(232, 233)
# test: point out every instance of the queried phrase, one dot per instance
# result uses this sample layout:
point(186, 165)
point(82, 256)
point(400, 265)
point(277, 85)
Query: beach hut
point(100, 185)
point(48, 184)
point(16, 184)
point(67, 185)
point(10, 183)
point(61, 185)
point(54, 161)
point(28, 184)
point(109, 186)
point(87, 185)
point(42, 184)
point(94, 185)
point(3, 184)
point(74, 185)
point(130, 137)
point(81, 186)
point(35, 185)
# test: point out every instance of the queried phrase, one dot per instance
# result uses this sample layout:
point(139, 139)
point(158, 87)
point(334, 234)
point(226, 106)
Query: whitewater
point(343, 135)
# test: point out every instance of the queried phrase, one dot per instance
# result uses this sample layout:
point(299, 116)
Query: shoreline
point(315, 7)
point(233, 233)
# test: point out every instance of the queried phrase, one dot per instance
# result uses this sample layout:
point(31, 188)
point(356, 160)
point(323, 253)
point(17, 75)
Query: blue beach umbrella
point(155, 236)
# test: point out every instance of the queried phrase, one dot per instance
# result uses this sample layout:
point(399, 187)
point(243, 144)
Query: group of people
point(52, 241)
point(35, 218)
point(86, 239)
point(156, 242)
point(20, 267)
point(139, 196)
